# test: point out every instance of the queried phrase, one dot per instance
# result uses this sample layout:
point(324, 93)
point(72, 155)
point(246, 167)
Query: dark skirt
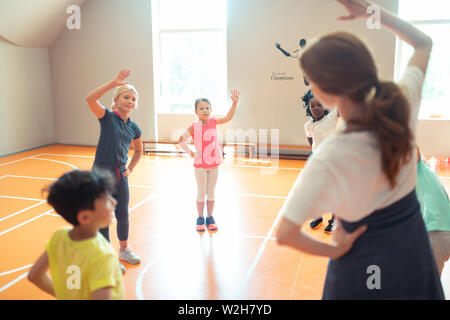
point(393, 259)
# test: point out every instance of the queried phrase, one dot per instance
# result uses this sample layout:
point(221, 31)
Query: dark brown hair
point(340, 64)
point(77, 190)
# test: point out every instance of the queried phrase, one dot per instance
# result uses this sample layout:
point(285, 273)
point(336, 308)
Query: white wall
point(26, 111)
point(253, 28)
point(117, 33)
point(114, 34)
point(433, 137)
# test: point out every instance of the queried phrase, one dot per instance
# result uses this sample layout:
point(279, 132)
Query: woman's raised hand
point(355, 8)
point(119, 80)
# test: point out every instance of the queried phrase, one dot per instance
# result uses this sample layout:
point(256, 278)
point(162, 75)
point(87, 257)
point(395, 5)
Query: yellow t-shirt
point(79, 268)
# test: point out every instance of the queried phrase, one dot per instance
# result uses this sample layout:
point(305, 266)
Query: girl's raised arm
point(235, 98)
point(93, 96)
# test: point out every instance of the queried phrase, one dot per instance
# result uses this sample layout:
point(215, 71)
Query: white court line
point(28, 177)
point(157, 160)
point(18, 160)
point(67, 155)
point(13, 282)
point(23, 210)
point(24, 223)
point(53, 179)
point(139, 293)
point(258, 237)
point(137, 205)
point(62, 162)
point(50, 214)
point(14, 270)
point(261, 196)
point(142, 202)
point(54, 215)
point(262, 167)
point(258, 256)
point(296, 276)
point(21, 198)
point(140, 186)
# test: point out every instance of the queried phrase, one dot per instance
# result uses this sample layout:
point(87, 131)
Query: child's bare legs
point(206, 183)
point(211, 187)
point(210, 207)
point(200, 208)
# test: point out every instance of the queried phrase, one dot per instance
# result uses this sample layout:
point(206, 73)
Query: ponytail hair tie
point(374, 90)
point(371, 95)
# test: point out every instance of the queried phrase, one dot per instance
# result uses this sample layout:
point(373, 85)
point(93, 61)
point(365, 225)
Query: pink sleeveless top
point(206, 142)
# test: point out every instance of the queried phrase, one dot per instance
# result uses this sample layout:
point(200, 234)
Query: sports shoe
point(329, 227)
point(128, 256)
point(315, 223)
point(211, 224)
point(122, 268)
point(200, 224)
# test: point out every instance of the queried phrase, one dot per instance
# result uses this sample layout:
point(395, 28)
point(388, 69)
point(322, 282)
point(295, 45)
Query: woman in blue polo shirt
point(117, 131)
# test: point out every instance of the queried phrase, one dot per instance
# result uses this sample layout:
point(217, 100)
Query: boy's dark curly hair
point(77, 190)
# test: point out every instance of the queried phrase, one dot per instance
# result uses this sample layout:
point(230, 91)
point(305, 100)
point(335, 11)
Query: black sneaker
point(211, 224)
point(315, 223)
point(200, 224)
point(329, 227)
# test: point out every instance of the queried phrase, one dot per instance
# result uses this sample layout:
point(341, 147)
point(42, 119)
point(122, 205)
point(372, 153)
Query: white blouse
point(322, 129)
point(344, 175)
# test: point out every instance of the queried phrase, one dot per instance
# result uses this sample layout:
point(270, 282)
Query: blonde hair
point(122, 89)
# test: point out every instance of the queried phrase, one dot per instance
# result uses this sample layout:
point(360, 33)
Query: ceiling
point(32, 23)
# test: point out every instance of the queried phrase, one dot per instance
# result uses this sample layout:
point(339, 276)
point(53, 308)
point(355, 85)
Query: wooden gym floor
point(240, 261)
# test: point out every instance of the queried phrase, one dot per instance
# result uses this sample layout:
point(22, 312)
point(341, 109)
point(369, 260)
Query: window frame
point(160, 106)
point(400, 46)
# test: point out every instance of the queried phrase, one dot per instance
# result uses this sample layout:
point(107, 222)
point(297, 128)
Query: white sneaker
point(128, 256)
point(122, 268)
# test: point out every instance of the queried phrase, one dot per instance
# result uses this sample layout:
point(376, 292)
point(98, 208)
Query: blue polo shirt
point(115, 139)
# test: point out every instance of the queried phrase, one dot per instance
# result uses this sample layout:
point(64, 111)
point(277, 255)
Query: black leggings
point(122, 195)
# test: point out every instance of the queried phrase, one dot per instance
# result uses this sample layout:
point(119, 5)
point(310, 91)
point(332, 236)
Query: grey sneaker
point(128, 256)
point(122, 268)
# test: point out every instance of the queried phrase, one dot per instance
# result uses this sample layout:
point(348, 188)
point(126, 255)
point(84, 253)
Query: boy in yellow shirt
point(82, 263)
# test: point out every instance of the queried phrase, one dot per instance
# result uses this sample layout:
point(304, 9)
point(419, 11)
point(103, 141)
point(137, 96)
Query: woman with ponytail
point(380, 248)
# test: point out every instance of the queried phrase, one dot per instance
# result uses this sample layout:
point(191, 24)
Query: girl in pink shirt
point(208, 155)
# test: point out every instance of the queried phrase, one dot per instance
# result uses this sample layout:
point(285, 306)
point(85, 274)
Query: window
point(189, 47)
point(433, 18)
